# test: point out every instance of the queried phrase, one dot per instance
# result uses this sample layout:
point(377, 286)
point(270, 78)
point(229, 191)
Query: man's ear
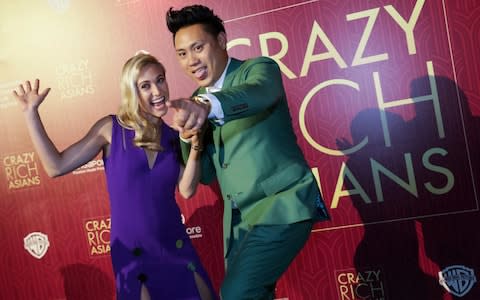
point(222, 40)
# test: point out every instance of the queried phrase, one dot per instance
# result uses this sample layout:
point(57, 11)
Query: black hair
point(191, 15)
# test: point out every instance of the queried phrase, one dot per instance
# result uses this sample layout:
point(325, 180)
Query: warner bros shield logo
point(457, 280)
point(36, 243)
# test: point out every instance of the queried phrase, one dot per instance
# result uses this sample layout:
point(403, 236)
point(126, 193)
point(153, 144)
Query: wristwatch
point(202, 100)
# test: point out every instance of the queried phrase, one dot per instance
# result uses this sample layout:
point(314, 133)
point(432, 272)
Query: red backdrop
point(385, 102)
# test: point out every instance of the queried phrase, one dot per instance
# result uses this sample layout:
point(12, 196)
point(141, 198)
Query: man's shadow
point(415, 185)
point(452, 240)
point(390, 245)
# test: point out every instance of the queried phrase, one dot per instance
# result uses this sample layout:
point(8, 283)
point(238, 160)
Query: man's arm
point(257, 87)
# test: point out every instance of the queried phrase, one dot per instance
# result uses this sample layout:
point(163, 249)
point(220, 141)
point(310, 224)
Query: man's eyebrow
point(193, 44)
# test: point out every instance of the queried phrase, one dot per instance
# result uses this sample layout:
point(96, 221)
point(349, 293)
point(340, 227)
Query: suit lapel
point(200, 90)
point(217, 130)
point(228, 82)
point(234, 65)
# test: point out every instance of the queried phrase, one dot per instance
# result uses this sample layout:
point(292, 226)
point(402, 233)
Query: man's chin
point(203, 82)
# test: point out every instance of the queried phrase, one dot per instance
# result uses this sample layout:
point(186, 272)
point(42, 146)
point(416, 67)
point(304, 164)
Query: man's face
point(201, 55)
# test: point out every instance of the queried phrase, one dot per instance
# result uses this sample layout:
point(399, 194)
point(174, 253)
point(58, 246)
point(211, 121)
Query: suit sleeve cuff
point(216, 113)
point(187, 141)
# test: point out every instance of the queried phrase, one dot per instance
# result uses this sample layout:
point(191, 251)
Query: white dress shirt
point(216, 113)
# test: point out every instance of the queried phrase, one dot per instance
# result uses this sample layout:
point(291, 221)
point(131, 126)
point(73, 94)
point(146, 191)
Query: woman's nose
point(155, 90)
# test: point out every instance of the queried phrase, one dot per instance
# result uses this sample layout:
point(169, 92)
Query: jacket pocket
point(283, 179)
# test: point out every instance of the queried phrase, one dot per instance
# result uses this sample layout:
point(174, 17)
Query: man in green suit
point(271, 198)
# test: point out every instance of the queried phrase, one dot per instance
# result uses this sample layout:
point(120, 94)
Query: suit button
point(142, 277)
point(224, 166)
point(191, 266)
point(137, 251)
point(179, 244)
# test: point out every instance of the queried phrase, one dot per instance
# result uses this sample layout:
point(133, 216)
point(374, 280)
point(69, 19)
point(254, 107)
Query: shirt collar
point(219, 83)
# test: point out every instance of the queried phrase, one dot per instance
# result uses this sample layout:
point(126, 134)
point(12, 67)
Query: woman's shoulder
point(106, 121)
point(104, 126)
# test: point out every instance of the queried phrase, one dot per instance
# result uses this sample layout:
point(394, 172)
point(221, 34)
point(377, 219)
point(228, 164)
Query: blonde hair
point(130, 114)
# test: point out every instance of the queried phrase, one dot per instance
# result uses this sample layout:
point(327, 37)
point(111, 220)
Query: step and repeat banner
point(385, 102)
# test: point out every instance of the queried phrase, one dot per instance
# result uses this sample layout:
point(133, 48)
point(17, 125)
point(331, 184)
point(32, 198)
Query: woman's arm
point(54, 162)
point(190, 175)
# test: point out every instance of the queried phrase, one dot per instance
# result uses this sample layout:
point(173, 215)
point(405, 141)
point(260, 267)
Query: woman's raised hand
point(29, 97)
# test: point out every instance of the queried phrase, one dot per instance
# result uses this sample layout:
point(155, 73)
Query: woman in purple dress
point(152, 255)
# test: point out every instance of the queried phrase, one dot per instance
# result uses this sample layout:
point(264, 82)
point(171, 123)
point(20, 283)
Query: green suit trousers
point(259, 255)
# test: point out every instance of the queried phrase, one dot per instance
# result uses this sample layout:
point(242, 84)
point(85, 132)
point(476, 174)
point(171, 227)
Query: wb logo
point(457, 280)
point(36, 243)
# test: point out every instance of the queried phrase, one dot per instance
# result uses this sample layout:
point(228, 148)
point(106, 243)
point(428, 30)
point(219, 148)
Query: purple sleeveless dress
point(148, 241)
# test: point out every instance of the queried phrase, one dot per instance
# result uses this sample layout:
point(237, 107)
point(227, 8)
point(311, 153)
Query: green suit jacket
point(254, 154)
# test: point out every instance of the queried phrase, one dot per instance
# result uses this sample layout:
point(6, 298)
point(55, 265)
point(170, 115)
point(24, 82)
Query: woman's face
point(153, 90)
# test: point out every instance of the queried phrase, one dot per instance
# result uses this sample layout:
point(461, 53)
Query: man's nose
point(192, 59)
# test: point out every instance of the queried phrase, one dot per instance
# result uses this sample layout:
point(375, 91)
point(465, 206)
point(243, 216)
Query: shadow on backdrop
point(390, 248)
point(453, 239)
point(416, 195)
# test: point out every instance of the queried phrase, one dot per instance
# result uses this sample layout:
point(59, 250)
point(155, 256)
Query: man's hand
point(188, 134)
point(188, 115)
